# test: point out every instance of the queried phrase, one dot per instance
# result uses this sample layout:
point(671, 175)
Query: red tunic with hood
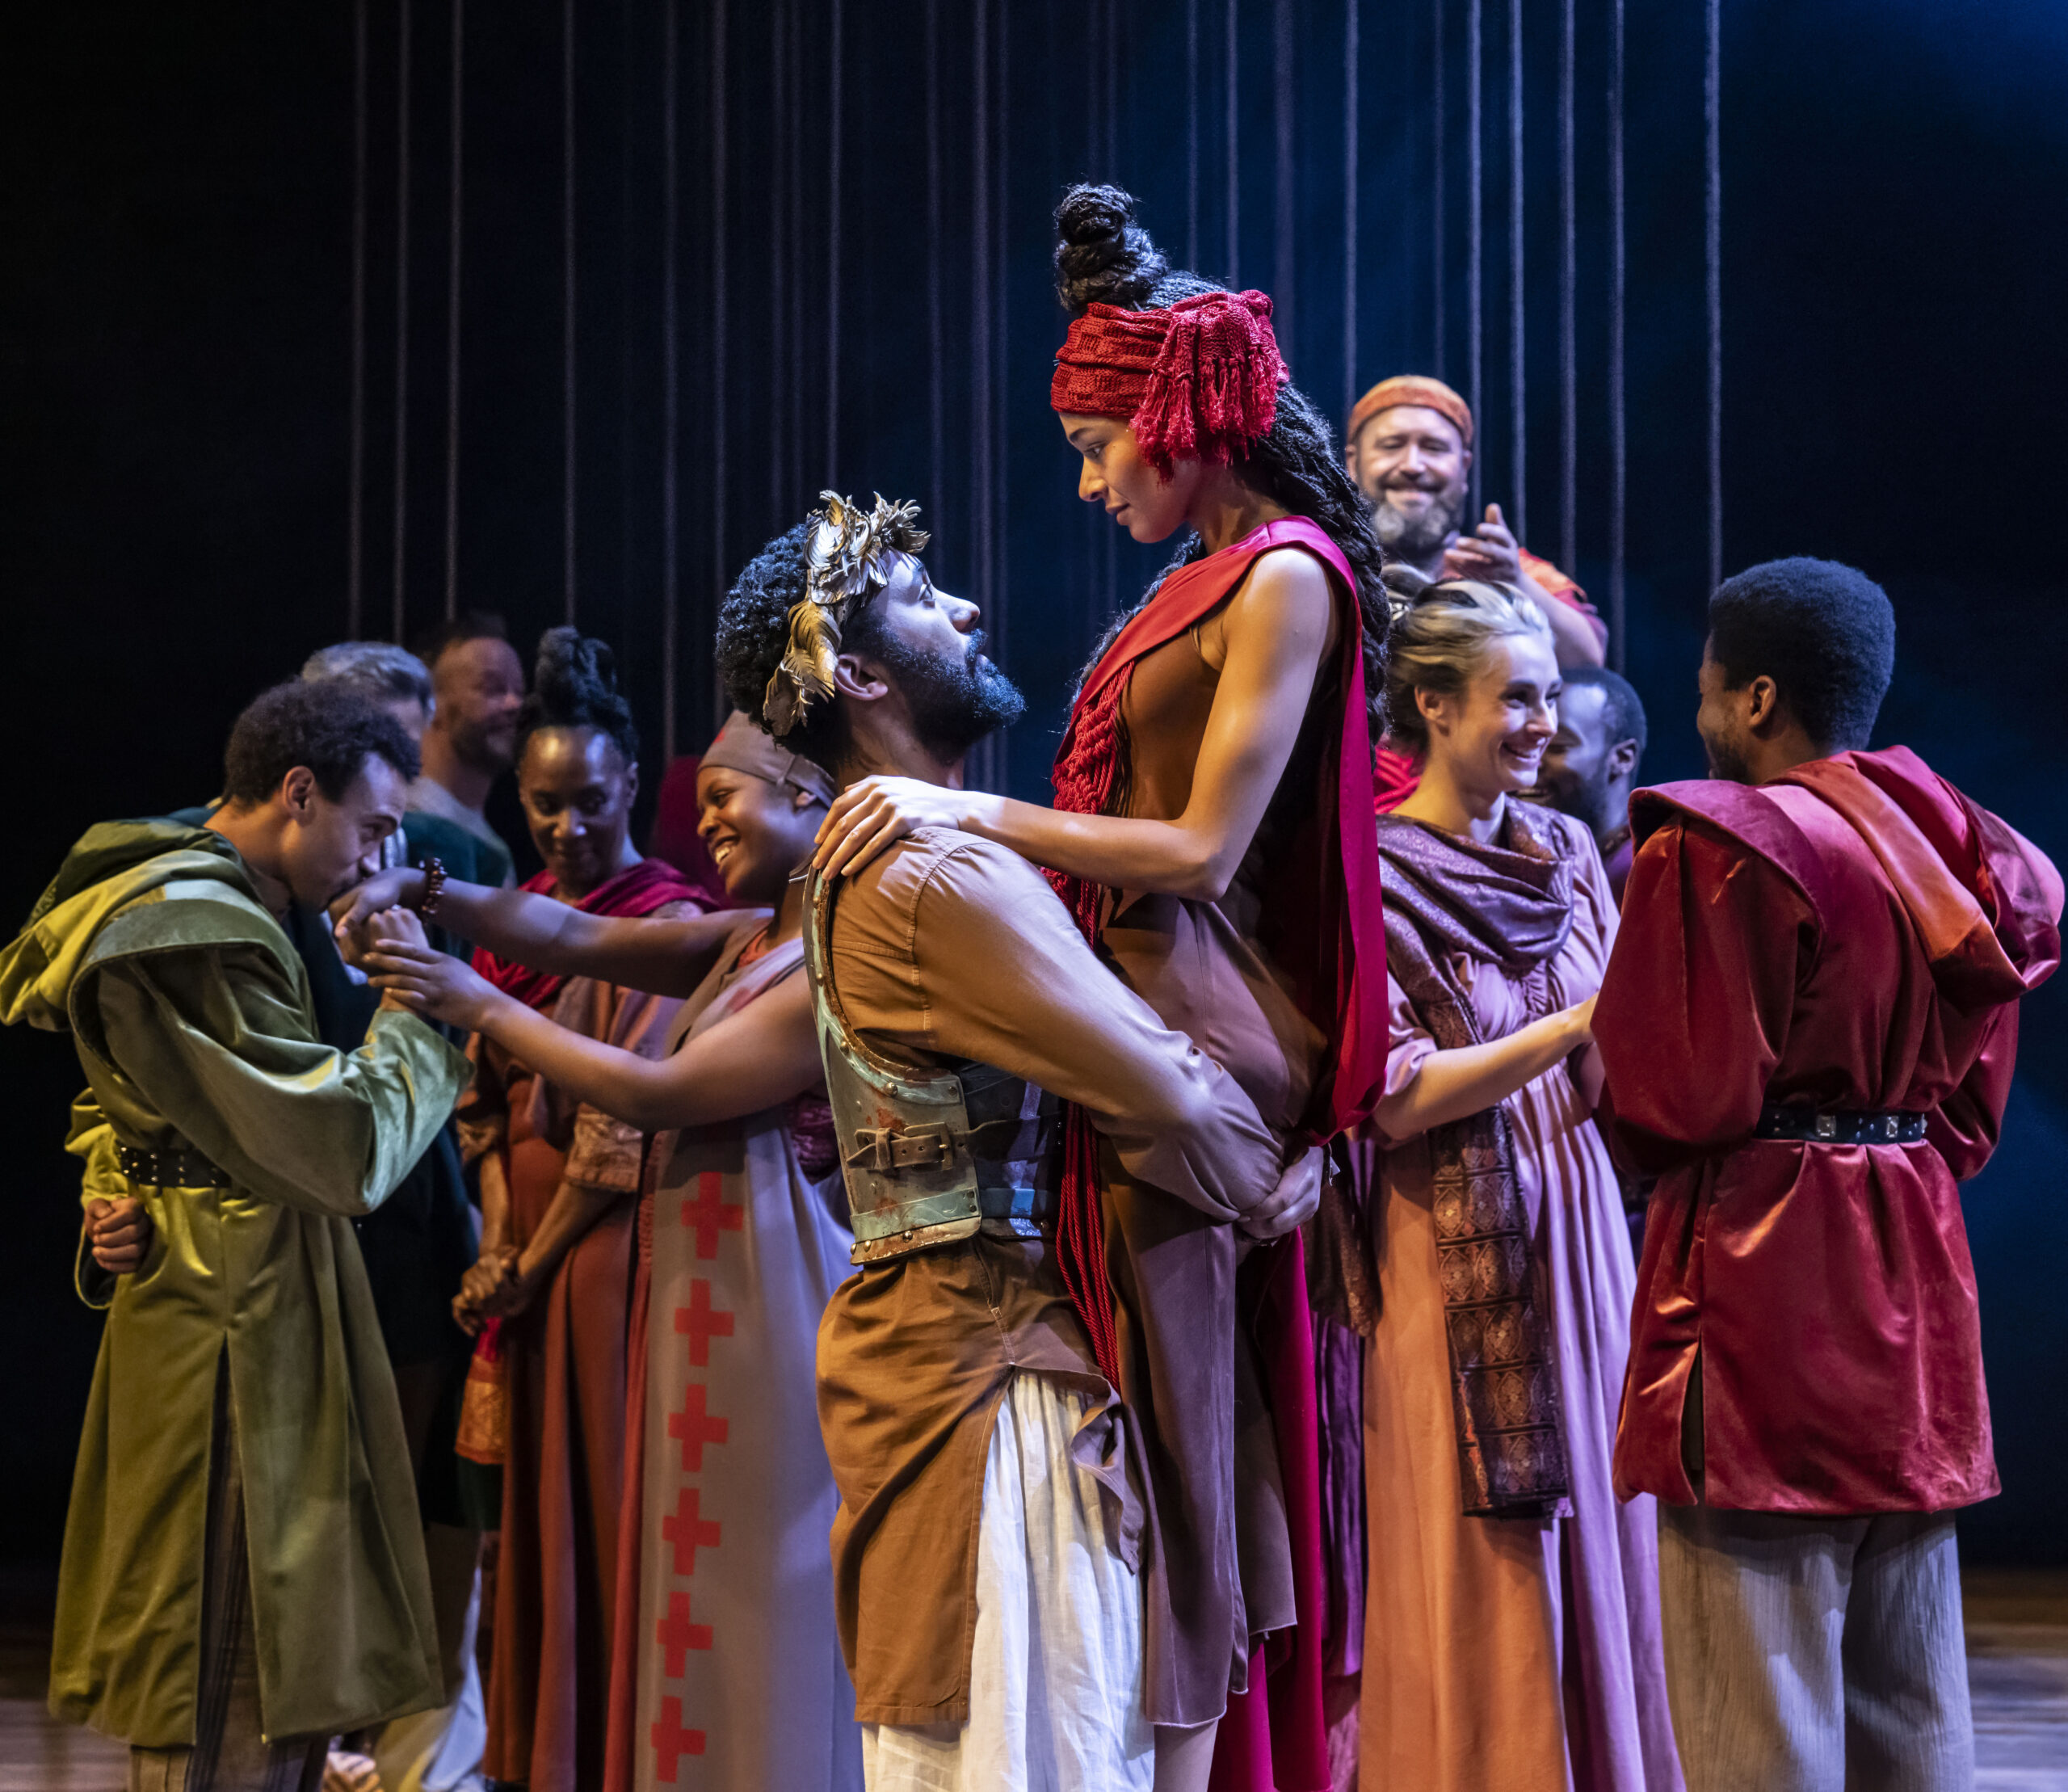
point(1854, 935)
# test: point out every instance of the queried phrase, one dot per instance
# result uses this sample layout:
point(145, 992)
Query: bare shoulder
point(1289, 598)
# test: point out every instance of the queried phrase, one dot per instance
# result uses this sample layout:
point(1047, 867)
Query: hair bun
point(1102, 256)
point(574, 685)
point(574, 666)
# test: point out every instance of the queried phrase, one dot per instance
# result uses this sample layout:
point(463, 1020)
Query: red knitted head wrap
point(1196, 381)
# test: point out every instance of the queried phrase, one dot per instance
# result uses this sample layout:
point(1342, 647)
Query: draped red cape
point(649, 885)
point(1323, 928)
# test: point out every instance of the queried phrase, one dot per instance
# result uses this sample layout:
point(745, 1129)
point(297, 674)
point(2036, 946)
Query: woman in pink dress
point(1512, 1632)
point(725, 1673)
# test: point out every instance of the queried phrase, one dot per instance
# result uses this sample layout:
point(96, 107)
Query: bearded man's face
point(1411, 462)
point(928, 642)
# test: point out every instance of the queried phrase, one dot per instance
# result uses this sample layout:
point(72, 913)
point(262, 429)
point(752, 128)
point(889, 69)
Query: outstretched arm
point(763, 1055)
point(661, 957)
point(1467, 1080)
point(1275, 629)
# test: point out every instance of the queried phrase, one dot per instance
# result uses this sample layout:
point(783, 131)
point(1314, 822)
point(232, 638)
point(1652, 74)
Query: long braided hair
point(1102, 256)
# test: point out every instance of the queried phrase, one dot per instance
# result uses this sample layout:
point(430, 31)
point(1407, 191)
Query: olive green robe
point(191, 1015)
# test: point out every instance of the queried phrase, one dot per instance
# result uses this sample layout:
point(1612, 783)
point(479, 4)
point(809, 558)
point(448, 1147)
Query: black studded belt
point(1838, 1126)
point(175, 1167)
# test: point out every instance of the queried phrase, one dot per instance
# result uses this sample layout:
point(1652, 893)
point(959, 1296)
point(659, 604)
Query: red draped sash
point(1323, 927)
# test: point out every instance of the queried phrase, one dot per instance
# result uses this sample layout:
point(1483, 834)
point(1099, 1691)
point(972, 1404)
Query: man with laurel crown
point(1000, 1559)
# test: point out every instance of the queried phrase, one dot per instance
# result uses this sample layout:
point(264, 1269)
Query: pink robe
point(1517, 1654)
point(728, 1673)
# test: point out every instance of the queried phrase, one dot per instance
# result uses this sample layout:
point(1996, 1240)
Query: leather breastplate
point(931, 1156)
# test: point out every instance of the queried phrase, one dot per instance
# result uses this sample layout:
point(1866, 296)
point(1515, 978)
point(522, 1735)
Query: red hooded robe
point(1853, 935)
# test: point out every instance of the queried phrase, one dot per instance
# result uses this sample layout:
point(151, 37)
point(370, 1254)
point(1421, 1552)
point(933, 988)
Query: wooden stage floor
point(2017, 1666)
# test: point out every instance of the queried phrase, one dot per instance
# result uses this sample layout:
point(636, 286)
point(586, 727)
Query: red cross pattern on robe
point(701, 1322)
point(677, 1636)
point(689, 1530)
point(671, 1742)
point(695, 1428)
point(711, 1213)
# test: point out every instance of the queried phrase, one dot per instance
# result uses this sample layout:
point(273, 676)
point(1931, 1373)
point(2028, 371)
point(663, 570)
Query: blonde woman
point(1512, 1634)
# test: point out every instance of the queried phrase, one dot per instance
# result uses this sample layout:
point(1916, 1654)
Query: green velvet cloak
point(191, 1015)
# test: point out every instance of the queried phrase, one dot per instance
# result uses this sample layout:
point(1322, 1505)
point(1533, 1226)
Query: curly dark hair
point(330, 728)
point(753, 630)
point(1102, 256)
point(1823, 632)
point(574, 685)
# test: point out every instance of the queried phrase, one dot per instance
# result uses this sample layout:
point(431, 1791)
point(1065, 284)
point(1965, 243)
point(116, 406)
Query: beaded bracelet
point(434, 885)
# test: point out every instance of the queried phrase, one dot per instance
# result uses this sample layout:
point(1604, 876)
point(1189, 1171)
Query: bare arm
point(1469, 1078)
point(1275, 630)
point(1573, 638)
point(766, 1053)
point(661, 957)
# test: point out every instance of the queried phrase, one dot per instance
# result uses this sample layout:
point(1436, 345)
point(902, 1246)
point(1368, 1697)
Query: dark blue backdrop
point(179, 330)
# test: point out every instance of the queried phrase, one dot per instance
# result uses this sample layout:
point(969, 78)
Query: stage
point(2017, 1625)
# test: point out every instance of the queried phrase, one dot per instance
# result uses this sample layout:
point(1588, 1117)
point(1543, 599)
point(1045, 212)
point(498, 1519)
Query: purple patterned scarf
point(1448, 897)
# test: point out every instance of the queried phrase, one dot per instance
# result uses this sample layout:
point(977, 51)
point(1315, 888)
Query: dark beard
point(1413, 539)
point(1727, 762)
point(952, 706)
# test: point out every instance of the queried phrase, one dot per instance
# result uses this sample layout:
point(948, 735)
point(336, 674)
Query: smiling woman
point(1504, 1267)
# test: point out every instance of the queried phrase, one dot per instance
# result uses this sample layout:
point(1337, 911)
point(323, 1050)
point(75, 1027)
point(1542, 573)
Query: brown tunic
point(947, 947)
point(1202, 966)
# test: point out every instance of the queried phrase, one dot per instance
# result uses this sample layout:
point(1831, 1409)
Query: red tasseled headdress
point(1197, 381)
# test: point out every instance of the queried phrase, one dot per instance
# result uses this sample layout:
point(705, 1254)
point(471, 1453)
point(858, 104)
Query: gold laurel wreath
point(843, 564)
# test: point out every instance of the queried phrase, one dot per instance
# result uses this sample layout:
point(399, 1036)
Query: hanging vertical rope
point(398, 616)
point(567, 302)
point(355, 488)
point(936, 345)
point(1111, 63)
point(997, 618)
point(720, 449)
point(1713, 258)
point(980, 330)
point(1619, 441)
point(1518, 314)
point(1439, 146)
point(793, 162)
point(1231, 132)
point(833, 253)
point(1282, 273)
point(1191, 133)
point(779, 291)
point(1349, 206)
point(670, 387)
point(1569, 357)
point(1475, 219)
point(452, 315)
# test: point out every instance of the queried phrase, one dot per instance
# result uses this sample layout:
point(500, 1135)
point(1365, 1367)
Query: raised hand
point(1490, 554)
point(350, 913)
point(867, 816)
point(408, 972)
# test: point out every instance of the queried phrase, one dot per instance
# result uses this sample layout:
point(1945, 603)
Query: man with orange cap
point(1409, 447)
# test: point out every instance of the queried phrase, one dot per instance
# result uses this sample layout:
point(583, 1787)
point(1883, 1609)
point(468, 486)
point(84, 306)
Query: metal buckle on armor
point(888, 1150)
